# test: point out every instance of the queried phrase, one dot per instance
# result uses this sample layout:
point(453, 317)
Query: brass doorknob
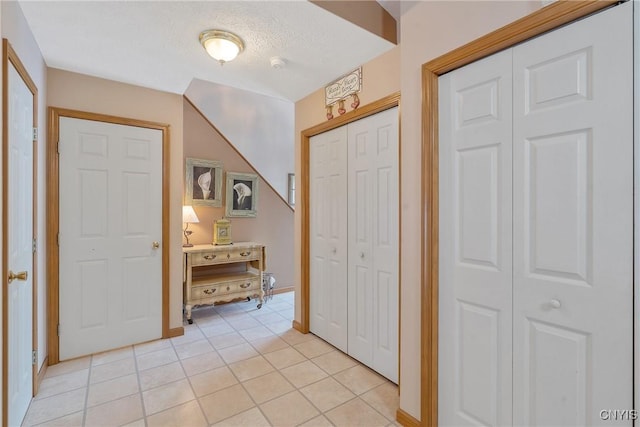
point(155, 245)
point(20, 276)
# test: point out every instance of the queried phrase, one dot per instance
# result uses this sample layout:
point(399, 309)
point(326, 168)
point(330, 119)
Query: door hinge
point(34, 357)
point(35, 134)
point(58, 239)
point(58, 329)
point(35, 245)
point(58, 147)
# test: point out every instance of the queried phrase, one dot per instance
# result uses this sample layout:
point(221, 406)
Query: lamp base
point(187, 245)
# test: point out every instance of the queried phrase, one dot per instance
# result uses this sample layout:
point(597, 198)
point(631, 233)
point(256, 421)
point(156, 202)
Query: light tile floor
point(235, 366)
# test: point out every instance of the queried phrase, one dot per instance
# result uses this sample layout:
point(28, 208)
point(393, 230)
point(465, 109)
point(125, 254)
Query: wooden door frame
point(53, 217)
point(303, 202)
point(303, 192)
point(539, 22)
point(10, 56)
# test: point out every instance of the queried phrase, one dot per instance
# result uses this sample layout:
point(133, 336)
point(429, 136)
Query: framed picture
point(203, 182)
point(242, 194)
point(291, 189)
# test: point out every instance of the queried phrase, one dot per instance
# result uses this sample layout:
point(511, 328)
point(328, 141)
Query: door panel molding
point(10, 56)
point(541, 21)
point(53, 198)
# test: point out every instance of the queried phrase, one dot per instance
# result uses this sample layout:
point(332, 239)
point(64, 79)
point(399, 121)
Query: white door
point(20, 247)
point(373, 241)
point(563, 187)
point(573, 222)
point(328, 237)
point(475, 244)
point(110, 236)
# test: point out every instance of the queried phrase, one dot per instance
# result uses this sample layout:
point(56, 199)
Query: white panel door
point(573, 222)
point(110, 217)
point(373, 241)
point(20, 247)
point(328, 241)
point(475, 244)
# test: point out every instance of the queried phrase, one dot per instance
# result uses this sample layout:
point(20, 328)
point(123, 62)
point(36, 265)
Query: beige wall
point(428, 30)
point(81, 92)
point(273, 225)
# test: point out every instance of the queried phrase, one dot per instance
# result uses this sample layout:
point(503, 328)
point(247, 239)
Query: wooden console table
point(222, 273)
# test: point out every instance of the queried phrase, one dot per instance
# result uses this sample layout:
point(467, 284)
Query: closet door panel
point(573, 216)
point(385, 245)
point(373, 242)
point(475, 298)
point(361, 273)
point(318, 316)
point(328, 246)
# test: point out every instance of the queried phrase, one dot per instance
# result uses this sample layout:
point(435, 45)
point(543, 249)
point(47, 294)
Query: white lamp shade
point(189, 215)
point(221, 49)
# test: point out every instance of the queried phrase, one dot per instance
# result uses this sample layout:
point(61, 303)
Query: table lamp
point(188, 216)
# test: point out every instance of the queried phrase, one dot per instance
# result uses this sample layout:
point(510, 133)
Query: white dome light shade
point(223, 46)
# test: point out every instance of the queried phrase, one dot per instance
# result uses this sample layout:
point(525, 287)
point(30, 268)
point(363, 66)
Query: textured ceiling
point(155, 43)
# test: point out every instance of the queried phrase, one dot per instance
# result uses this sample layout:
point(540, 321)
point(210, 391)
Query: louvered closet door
point(573, 222)
point(475, 244)
point(328, 236)
point(373, 241)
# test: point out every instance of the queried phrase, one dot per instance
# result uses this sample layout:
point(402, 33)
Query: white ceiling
point(155, 43)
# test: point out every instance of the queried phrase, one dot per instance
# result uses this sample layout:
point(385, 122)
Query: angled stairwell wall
point(260, 127)
point(274, 223)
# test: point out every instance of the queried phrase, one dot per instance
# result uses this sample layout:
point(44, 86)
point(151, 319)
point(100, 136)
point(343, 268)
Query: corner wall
point(273, 225)
point(427, 30)
point(85, 93)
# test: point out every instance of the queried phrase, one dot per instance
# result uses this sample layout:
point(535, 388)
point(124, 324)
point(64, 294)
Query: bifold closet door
point(328, 236)
point(373, 241)
point(475, 244)
point(573, 222)
point(536, 327)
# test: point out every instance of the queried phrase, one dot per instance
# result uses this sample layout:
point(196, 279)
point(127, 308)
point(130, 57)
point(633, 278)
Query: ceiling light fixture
point(223, 46)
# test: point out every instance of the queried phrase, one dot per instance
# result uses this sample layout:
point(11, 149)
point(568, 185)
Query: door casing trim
point(53, 217)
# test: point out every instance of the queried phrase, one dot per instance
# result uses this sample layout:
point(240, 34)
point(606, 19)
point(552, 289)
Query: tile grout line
point(188, 377)
point(242, 384)
point(135, 364)
point(275, 369)
point(86, 395)
point(289, 382)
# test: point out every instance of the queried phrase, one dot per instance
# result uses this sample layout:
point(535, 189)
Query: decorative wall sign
point(345, 86)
